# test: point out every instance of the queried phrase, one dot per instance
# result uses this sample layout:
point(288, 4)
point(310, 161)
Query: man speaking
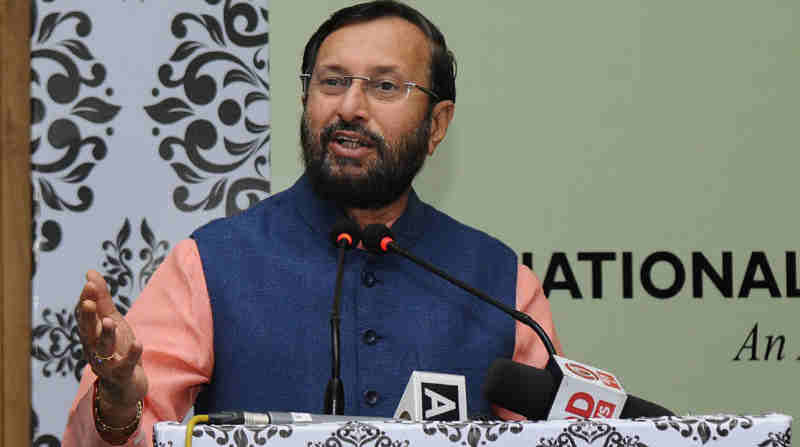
point(237, 317)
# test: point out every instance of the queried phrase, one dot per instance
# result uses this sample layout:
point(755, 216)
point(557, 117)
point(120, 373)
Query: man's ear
point(441, 117)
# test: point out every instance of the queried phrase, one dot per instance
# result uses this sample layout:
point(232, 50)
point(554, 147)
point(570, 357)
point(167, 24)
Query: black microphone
point(379, 239)
point(531, 392)
point(345, 235)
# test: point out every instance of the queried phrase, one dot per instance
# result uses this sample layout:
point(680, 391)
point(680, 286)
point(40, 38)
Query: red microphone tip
point(346, 237)
point(385, 243)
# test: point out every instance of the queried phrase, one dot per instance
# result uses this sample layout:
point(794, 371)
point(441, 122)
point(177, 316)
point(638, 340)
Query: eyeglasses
point(380, 89)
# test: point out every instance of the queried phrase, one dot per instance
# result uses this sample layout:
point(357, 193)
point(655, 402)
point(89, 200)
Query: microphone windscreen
point(348, 227)
point(373, 235)
point(520, 388)
point(636, 407)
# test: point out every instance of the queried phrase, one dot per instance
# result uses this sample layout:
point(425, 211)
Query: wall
point(147, 120)
point(613, 127)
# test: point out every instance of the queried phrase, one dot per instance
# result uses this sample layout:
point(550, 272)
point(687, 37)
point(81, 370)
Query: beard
point(387, 176)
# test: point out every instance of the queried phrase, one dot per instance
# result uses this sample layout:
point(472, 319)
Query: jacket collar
point(321, 214)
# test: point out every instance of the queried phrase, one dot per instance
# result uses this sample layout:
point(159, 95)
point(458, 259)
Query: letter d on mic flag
point(586, 392)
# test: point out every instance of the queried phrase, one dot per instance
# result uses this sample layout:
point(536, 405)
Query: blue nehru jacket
point(270, 273)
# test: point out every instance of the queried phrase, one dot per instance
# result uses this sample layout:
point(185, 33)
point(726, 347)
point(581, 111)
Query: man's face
point(360, 152)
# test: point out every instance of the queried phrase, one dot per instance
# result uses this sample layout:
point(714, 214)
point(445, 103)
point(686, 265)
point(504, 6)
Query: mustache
point(327, 134)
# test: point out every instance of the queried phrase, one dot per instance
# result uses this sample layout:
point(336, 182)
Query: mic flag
point(575, 391)
point(585, 392)
point(566, 390)
point(433, 397)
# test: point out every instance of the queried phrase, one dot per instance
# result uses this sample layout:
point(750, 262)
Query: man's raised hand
point(111, 348)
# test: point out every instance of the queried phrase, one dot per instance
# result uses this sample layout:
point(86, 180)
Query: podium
point(772, 430)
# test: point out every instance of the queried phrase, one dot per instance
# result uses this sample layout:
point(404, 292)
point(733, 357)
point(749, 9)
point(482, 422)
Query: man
point(237, 317)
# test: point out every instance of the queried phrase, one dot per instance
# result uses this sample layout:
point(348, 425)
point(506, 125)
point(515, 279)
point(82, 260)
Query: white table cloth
point(771, 430)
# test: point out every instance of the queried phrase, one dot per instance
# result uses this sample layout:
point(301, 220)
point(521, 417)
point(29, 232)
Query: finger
point(129, 361)
point(106, 342)
point(105, 305)
point(88, 293)
point(87, 320)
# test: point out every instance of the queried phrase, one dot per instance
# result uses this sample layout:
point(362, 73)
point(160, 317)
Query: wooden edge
point(15, 225)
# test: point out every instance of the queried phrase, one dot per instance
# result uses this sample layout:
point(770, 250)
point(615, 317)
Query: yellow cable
point(190, 426)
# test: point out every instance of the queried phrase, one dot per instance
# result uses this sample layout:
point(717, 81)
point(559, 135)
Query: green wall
point(621, 126)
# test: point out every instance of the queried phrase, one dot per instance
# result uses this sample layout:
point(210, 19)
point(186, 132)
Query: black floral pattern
point(244, 93)
point(46, 237)
point(117, 263)
point(75, 112)
point(237, 435)
point(37, 440)
point(472, 433)
point(66, 82)
point(704, 428)
point(56, 343)
point(358, 434)
point(778, 439)
point(61, 60)
point(591, 432)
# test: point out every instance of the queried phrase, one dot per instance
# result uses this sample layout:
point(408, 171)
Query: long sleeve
point(172, 319)
point(528, 349)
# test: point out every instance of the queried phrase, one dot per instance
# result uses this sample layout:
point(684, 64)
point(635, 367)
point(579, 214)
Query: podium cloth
point(773, 430)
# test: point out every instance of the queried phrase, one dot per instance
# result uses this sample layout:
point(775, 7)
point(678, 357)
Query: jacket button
point(371, 397)
point(368, 278)
point(370, 337)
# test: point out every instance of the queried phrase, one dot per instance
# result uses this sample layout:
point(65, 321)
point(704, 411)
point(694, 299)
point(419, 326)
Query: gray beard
point(385, 180)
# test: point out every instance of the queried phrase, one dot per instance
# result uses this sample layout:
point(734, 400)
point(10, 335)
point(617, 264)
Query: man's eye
point(385, 86)
point(332, 82)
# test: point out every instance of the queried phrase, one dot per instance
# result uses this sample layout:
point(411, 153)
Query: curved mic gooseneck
point(379, 239)
point(345, 235)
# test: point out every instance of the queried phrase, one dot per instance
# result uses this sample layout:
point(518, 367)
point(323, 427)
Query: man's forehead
point(378, 46)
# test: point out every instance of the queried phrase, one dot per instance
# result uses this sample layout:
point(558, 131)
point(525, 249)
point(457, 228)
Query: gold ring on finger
point(100, 358)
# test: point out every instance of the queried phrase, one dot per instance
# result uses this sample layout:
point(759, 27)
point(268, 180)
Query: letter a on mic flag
point(586, 392)
point(433, 397)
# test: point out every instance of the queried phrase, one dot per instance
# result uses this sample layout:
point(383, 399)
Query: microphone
point(538, 395)
point(277, 417)
point(598, 394)
point(379, 239)
point(345, 235)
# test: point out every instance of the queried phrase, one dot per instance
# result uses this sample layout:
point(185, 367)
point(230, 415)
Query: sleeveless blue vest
point(270, 273)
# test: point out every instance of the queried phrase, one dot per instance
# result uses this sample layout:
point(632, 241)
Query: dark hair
point(443, 62)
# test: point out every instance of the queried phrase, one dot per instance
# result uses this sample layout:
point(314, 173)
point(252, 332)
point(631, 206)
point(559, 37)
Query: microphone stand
point(334, 392)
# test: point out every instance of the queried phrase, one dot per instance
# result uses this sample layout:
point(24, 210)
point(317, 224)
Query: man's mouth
point(350, 144)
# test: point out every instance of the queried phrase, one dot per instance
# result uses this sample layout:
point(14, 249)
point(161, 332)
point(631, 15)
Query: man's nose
point(354, 104)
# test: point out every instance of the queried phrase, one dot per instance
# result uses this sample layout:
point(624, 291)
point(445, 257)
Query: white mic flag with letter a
point(433, 397)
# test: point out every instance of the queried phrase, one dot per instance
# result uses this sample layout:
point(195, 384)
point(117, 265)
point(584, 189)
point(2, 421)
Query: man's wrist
point(114, 423)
